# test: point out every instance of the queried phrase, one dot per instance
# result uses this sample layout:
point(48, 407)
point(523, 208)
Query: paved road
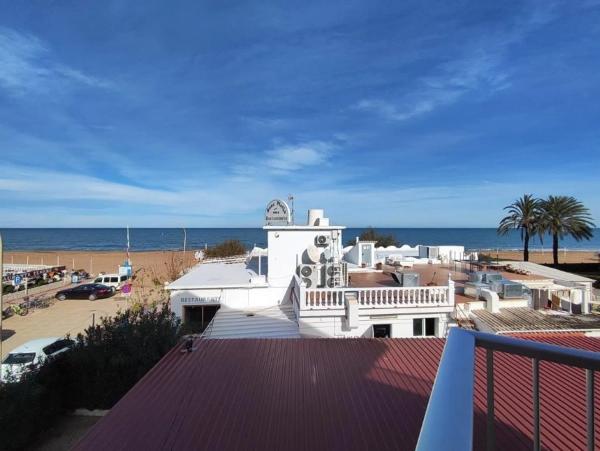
point(61, 318)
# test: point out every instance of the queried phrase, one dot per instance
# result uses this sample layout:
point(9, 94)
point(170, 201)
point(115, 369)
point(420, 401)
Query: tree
point(370, 234)
point(565, 216)
point(523, 214)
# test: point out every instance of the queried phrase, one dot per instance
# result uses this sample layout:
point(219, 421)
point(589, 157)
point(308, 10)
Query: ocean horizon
point(156, 239)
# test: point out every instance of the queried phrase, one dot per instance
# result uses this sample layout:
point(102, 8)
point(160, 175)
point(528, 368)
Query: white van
point(115, 281)
point(31, 355)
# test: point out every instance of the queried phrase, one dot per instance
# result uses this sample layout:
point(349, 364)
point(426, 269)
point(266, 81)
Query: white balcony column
point(450, 290)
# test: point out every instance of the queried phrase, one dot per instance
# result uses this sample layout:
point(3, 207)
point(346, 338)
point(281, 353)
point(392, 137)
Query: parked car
point(91, 291)
point(29, 356)
point(115, 281)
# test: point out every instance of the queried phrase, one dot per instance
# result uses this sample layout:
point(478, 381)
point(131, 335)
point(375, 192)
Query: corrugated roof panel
point(330, 394)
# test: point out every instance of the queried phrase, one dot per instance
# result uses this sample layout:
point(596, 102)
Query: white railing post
point(450, 290)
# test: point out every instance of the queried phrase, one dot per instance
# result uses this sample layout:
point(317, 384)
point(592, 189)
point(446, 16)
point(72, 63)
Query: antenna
point(291, 201)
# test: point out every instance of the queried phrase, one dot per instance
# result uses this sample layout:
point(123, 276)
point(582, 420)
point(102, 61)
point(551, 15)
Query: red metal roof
point(330, 394)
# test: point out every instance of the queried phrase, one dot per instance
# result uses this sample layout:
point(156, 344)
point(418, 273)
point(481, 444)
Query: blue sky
point(196, 113)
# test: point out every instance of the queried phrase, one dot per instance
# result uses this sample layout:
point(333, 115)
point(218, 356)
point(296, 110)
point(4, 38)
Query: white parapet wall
point(236, 297)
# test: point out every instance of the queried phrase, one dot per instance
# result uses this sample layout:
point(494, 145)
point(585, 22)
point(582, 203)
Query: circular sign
point(126, 289)
point(277, 213)
point(17, 280)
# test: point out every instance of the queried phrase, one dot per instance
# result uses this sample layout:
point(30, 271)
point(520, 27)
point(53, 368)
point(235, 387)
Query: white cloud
point(289, 158)
point(26, 65)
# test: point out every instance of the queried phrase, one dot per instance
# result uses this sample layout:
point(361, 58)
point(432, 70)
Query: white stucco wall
point(238, 298)
point(286, 250)
point(334, 326)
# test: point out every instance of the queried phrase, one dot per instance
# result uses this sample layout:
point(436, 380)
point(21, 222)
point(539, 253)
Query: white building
point(307, 284)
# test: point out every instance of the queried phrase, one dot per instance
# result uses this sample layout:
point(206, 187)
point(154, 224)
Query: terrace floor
point(436, 275)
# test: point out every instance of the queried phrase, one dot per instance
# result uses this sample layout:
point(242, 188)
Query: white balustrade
point(328, 298)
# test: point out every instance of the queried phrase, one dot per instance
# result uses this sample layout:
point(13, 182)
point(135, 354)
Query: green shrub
point(371, 234)
point(228, 248)
point(105, 363)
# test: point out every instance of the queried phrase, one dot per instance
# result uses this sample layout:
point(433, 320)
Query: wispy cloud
point(27, 64)
point(289, 158)
point(452, 81)
point(481, 68)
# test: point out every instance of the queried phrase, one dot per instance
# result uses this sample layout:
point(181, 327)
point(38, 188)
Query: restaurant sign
point(277, 213)
point(197, 300)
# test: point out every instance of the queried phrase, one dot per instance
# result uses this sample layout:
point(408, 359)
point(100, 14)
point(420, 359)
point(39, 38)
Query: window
point(382, 330)
point(123, 278)
point(424, 327)
point(19, 358)
point(58, 345)
point(114, 279)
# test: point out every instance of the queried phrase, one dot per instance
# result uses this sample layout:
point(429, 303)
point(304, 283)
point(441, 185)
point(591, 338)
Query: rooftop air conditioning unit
point(323, 240)
point(411, 279)
point(333, 276)
point(491, 277)
point(477, 277)
point(473, 289)
point(310, 275)
point(507, 289)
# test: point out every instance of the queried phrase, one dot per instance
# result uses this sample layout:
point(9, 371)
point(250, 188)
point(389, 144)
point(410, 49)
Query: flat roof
point(436, 274)
point(350, 394)
point(302, 227)
point(546, 271)
point(525, 319)
point(221, 274)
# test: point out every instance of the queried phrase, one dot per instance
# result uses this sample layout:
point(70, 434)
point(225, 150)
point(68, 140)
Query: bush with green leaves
point(371, 234)
point(107, 360)
point(228, 248)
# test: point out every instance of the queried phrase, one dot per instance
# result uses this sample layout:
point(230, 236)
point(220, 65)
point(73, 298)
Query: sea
point(152, 239)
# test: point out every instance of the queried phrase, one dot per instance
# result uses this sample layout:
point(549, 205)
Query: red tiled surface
point(330, 394)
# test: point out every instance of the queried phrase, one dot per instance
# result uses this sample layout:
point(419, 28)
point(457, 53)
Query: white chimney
point(314, 215)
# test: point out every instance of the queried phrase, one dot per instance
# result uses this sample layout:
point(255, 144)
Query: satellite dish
point(313, 253)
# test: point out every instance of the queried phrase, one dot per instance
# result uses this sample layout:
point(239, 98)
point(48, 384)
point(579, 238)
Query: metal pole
point(184, 246)
point(93, 320)
point(536, 405)
point(491, 432)
point(590, 409)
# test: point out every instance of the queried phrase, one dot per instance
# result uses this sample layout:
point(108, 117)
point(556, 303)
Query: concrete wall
point(334, 326)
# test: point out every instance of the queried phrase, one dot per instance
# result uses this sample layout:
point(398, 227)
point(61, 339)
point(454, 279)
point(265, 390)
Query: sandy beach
point(546, 256)
point(152, 269)
point(159, 263)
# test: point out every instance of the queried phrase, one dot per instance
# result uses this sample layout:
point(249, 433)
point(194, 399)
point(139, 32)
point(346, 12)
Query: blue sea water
point(147, 239)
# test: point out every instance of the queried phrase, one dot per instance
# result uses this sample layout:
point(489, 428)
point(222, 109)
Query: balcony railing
point(367, 298)
point(454, 387)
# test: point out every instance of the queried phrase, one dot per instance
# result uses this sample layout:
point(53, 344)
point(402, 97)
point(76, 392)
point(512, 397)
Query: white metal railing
point(326, 298)
point(455, 379)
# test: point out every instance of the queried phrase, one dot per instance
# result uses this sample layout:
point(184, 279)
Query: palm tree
point(562, 216)
point(523, 214)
